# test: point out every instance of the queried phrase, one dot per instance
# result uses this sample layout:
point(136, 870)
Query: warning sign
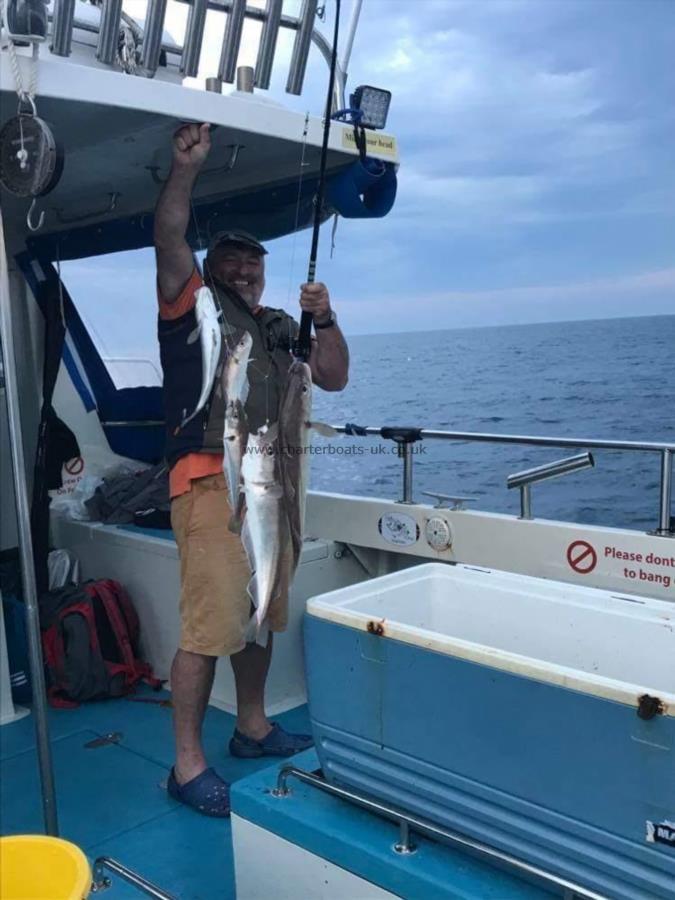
point(626, 562)
point(582, 557)
point(74, 466)
point(650, 567)
point(71, 474)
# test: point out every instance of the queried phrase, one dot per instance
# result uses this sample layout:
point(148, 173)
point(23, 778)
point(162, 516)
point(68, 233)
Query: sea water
point(612, 379)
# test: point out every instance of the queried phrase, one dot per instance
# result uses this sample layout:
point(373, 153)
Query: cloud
point(536, 178)
point(598, 298)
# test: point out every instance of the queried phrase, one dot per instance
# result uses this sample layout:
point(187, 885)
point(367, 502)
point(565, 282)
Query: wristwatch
point(332, 320)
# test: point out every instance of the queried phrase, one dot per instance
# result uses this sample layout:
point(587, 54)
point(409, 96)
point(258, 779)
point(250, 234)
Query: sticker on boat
point(398, 528)
point(661, 833)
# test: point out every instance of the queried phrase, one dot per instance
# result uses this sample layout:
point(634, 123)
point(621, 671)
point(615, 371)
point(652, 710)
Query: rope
point(23, 94)
point(129, 41)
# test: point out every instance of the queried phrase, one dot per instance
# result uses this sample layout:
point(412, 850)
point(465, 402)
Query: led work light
point(373, 104)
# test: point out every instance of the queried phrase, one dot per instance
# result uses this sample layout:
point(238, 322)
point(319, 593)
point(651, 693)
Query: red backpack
point(90, 638)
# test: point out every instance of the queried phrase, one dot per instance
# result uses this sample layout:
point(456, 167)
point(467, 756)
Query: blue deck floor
point(112, 800)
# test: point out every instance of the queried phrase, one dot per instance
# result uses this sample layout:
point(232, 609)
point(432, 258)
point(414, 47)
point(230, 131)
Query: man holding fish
point(238, 413)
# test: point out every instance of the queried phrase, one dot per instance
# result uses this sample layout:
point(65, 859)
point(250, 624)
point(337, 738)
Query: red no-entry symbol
point(582, 557)
point(74, 466)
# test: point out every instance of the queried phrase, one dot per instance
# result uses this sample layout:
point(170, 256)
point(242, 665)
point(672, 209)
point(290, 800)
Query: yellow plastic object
point(35, 867)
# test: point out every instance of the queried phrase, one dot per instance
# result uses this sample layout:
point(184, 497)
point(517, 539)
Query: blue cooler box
point(535, 716)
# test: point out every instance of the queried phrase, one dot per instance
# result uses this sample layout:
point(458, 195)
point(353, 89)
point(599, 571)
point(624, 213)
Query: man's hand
point(191, 145)
point(314, 299)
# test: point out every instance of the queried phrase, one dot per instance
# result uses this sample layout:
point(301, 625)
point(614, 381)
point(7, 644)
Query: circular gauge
point(438, 533)
point(31, 162)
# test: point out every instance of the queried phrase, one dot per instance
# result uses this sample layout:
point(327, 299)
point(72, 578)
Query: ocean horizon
point(591, 378)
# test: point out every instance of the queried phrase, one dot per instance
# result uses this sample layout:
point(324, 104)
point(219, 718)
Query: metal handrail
point(65, 24)
point(101, 882)
point(524, 480)
point(260, 15)
point(534, 440)
point(406, 822)
point(665, 450)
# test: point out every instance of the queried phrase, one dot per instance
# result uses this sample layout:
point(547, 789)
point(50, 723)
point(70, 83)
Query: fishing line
point(304, 343)
point(297, 210)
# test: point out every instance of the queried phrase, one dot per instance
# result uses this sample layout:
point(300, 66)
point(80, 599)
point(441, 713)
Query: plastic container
point(507, 708)
point(33, 866)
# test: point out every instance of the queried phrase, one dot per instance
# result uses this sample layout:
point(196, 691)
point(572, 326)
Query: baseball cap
point(236, 237)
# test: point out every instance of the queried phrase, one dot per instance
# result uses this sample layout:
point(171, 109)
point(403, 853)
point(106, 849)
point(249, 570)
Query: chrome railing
point(406, 437)
point(524, 480)
point(410, 823)
point(101, 882)
point(64, 21)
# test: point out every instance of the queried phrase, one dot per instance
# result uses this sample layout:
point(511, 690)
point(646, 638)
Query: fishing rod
point(304, 343)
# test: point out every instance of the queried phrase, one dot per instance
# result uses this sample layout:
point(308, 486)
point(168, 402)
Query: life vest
point(272, 331)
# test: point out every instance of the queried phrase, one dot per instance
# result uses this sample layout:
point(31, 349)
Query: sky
point(536, 180)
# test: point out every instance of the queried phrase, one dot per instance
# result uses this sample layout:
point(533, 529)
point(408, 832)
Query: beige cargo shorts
point(215, 608)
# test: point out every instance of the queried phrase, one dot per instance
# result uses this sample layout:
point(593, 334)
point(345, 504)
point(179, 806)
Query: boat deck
point(112, 800)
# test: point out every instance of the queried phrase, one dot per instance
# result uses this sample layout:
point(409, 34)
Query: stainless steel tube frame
point(102, 883)
point(259, 15)
point(550, 470)
point(194, 34)
point(665, 450)
point(525, 501)
point(407, 473)
point(666, 493)
point(245, 79)
point(152, 35)
point(303, 40)
point(351, 34)
point(555, 469)
point(109, 29)
point(62, 27)
point(232, 41)
point(428, 828)
point(37, 672)
point(268, 44)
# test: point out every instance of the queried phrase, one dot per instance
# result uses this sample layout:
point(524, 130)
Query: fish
point(235, 432)
point(235, 437)
point(295, 433)
point(235, 380)
point(265, 532)
point(210, 336)
point(295, 430)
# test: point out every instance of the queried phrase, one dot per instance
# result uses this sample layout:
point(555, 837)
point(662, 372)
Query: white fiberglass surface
point(628, 639)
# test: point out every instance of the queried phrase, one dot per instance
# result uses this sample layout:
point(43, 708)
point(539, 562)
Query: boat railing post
point(407, 473)
point(666, 493)
point(194, 35)
point(303, 41)
point(405, 844)
point(268, 44)
point(232, 41)
point(62, 27)
point(152, 35)
point(108, 35)
point(37, 672)
point(525, 501)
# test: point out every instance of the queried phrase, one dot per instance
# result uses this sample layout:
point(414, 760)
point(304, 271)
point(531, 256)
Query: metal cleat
point(444, 499)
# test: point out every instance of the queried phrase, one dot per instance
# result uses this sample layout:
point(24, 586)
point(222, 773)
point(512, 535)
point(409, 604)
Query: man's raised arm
point(191, 145)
